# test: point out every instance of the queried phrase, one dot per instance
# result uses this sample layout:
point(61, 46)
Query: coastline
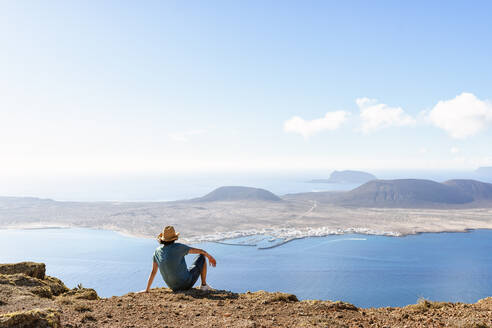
point(223, 220)
point(36, 226)
point(281, 235)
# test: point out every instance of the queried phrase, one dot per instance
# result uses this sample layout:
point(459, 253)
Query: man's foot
point(206, 288)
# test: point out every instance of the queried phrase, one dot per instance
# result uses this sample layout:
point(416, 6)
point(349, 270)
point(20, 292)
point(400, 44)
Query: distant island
point(382, 207)
point(346, 176)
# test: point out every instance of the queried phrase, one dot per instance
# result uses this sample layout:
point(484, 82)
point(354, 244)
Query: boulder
point(56, 285)
point(32, 269)
point(21, 279)
point(82, 294)
point(35, 318)
point(267, 297)
point(47, 287)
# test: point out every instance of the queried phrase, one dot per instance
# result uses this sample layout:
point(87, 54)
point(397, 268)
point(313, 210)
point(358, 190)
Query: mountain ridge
point(409, 193)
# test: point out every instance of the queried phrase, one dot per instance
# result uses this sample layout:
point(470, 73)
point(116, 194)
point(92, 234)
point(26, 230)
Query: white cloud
point(454, 150)
point(376, 116)
point(463, 116)
point(184, 136)
point(331, 121)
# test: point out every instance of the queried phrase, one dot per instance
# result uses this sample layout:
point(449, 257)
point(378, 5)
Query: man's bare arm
point(152, 276)
point(211, 259)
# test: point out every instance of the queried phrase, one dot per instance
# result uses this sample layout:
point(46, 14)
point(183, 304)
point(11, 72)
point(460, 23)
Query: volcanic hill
point(409, 193)
point(234, 193)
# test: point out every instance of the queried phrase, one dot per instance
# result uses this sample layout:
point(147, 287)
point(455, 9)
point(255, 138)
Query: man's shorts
point(196, 269)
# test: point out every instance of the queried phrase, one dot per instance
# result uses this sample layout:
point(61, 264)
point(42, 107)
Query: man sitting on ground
point(169, 258)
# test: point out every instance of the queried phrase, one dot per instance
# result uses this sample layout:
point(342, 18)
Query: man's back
point(172, 265)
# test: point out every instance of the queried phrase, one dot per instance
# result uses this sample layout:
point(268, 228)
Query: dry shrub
point(82, 294)
point(279, 297)
point(43, 291)
point(424, 305)
point(88, 318)
point(82, 308)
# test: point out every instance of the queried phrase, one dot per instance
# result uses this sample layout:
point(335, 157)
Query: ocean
point(366, 270)
point(169, 187)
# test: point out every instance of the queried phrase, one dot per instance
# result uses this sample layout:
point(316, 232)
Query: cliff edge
point(22, 304)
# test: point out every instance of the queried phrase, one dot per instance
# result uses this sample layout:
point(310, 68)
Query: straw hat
point(168, 234)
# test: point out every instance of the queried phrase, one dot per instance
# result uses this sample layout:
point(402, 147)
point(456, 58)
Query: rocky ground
point(28, 298)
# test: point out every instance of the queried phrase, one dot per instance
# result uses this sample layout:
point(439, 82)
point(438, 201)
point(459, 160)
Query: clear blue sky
point(90, 87)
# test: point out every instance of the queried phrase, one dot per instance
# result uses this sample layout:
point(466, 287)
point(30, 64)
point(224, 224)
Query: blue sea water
point(368, 271)
point(162, 187)
point(166, 187)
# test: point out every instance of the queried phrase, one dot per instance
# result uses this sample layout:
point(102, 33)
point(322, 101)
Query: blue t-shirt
point(172, 265)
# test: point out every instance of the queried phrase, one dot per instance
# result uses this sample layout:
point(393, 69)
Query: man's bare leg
point(204, 274)
point(211, 261)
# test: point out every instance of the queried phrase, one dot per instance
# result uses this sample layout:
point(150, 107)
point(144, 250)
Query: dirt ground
point(163, 308)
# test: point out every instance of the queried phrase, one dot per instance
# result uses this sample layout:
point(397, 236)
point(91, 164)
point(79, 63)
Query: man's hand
point(211, 260)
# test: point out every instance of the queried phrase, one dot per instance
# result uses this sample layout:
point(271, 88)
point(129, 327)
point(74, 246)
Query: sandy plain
point(215, 221)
